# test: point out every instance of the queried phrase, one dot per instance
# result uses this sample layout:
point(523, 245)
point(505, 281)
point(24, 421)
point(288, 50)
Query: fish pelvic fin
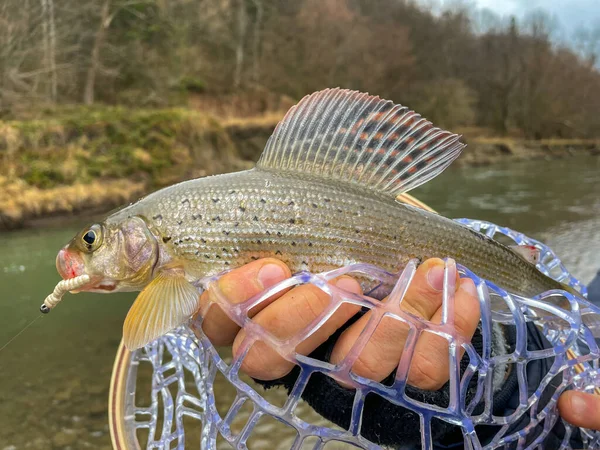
point(344, 135)
point(166, 303)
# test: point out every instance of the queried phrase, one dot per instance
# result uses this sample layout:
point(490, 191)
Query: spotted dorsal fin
point(350, 136)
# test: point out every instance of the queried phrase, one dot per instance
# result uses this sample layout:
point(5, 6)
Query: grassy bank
point(82, 145)
point(72, 160)
point(78, 159)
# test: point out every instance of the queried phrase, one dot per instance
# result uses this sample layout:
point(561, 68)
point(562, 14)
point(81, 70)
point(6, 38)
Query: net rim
point(121, 437)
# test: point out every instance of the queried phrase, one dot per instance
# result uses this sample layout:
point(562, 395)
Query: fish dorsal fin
point(350, 136)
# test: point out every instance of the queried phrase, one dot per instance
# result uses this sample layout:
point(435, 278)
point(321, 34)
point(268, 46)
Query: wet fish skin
point(216, 223)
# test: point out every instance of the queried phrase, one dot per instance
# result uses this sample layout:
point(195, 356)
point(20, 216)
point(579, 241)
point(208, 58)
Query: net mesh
point(185, 366)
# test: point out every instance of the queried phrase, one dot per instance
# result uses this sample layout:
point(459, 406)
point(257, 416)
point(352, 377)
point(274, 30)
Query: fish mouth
point(97, 285)
point(101, 286)
point(70, 265)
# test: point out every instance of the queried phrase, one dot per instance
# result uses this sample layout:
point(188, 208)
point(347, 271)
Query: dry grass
point(20, 202)
point(542, 142)
point(268, 120)
point(248, 104)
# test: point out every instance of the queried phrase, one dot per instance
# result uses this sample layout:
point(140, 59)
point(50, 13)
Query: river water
point(54, 377)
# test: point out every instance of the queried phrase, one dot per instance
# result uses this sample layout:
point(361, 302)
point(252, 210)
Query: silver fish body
point(216, 223)
point(322, 196)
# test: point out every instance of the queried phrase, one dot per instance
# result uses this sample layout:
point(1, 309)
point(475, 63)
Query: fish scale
point(260, 213)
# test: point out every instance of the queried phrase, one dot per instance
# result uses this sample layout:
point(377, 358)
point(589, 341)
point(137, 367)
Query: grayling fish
point(322, 195)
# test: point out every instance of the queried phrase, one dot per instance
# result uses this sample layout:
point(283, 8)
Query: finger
point(430, 365)
point(580, 409)
point(286, 317)
point(424, 295)
point(238, 286)
point(382, 352)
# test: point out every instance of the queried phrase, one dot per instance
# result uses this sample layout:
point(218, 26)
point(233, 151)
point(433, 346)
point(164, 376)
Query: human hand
point(580, 409)
point(290, 312)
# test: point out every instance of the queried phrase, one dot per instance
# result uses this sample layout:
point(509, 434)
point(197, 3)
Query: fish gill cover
point(185, 366)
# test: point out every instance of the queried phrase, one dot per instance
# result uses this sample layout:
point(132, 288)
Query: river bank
point(94, 160)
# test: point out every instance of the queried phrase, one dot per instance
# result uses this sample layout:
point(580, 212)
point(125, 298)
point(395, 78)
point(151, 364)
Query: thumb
point(580, 409)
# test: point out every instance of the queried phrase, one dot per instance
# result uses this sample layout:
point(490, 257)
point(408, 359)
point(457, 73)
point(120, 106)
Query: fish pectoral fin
point(349, 136)
point(166, 303)
point(530, 253)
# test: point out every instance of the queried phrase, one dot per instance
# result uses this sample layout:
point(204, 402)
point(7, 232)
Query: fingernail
point(435, 277)
point(579, 405)
point(467, 285)
point(348, 284)
point(270, 275)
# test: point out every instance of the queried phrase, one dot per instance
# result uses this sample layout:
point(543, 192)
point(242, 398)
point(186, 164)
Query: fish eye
point(92, 238)
point(89, 237)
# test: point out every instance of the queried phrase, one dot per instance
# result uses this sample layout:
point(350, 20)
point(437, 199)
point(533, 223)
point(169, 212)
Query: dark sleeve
point(508, 397)
point(536, 370)
point(385, 423)
point(594, 290)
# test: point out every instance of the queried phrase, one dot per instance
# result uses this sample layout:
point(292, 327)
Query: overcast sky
point(571, 14)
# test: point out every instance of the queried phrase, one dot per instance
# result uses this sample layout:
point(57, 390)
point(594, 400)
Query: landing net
point(180, 400)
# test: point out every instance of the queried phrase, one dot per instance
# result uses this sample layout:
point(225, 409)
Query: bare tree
point(90, 79)
point(587, 41)
point(46, 35)
point(258, 4)
point(52, 50)
point(242, 22)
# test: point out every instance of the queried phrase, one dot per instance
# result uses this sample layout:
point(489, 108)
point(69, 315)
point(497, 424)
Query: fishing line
point(53, 299)
point(20, 332)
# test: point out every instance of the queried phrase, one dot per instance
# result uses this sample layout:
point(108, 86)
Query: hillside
point(240, 57)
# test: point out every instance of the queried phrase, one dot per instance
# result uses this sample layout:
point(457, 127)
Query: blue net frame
point(185, 365)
